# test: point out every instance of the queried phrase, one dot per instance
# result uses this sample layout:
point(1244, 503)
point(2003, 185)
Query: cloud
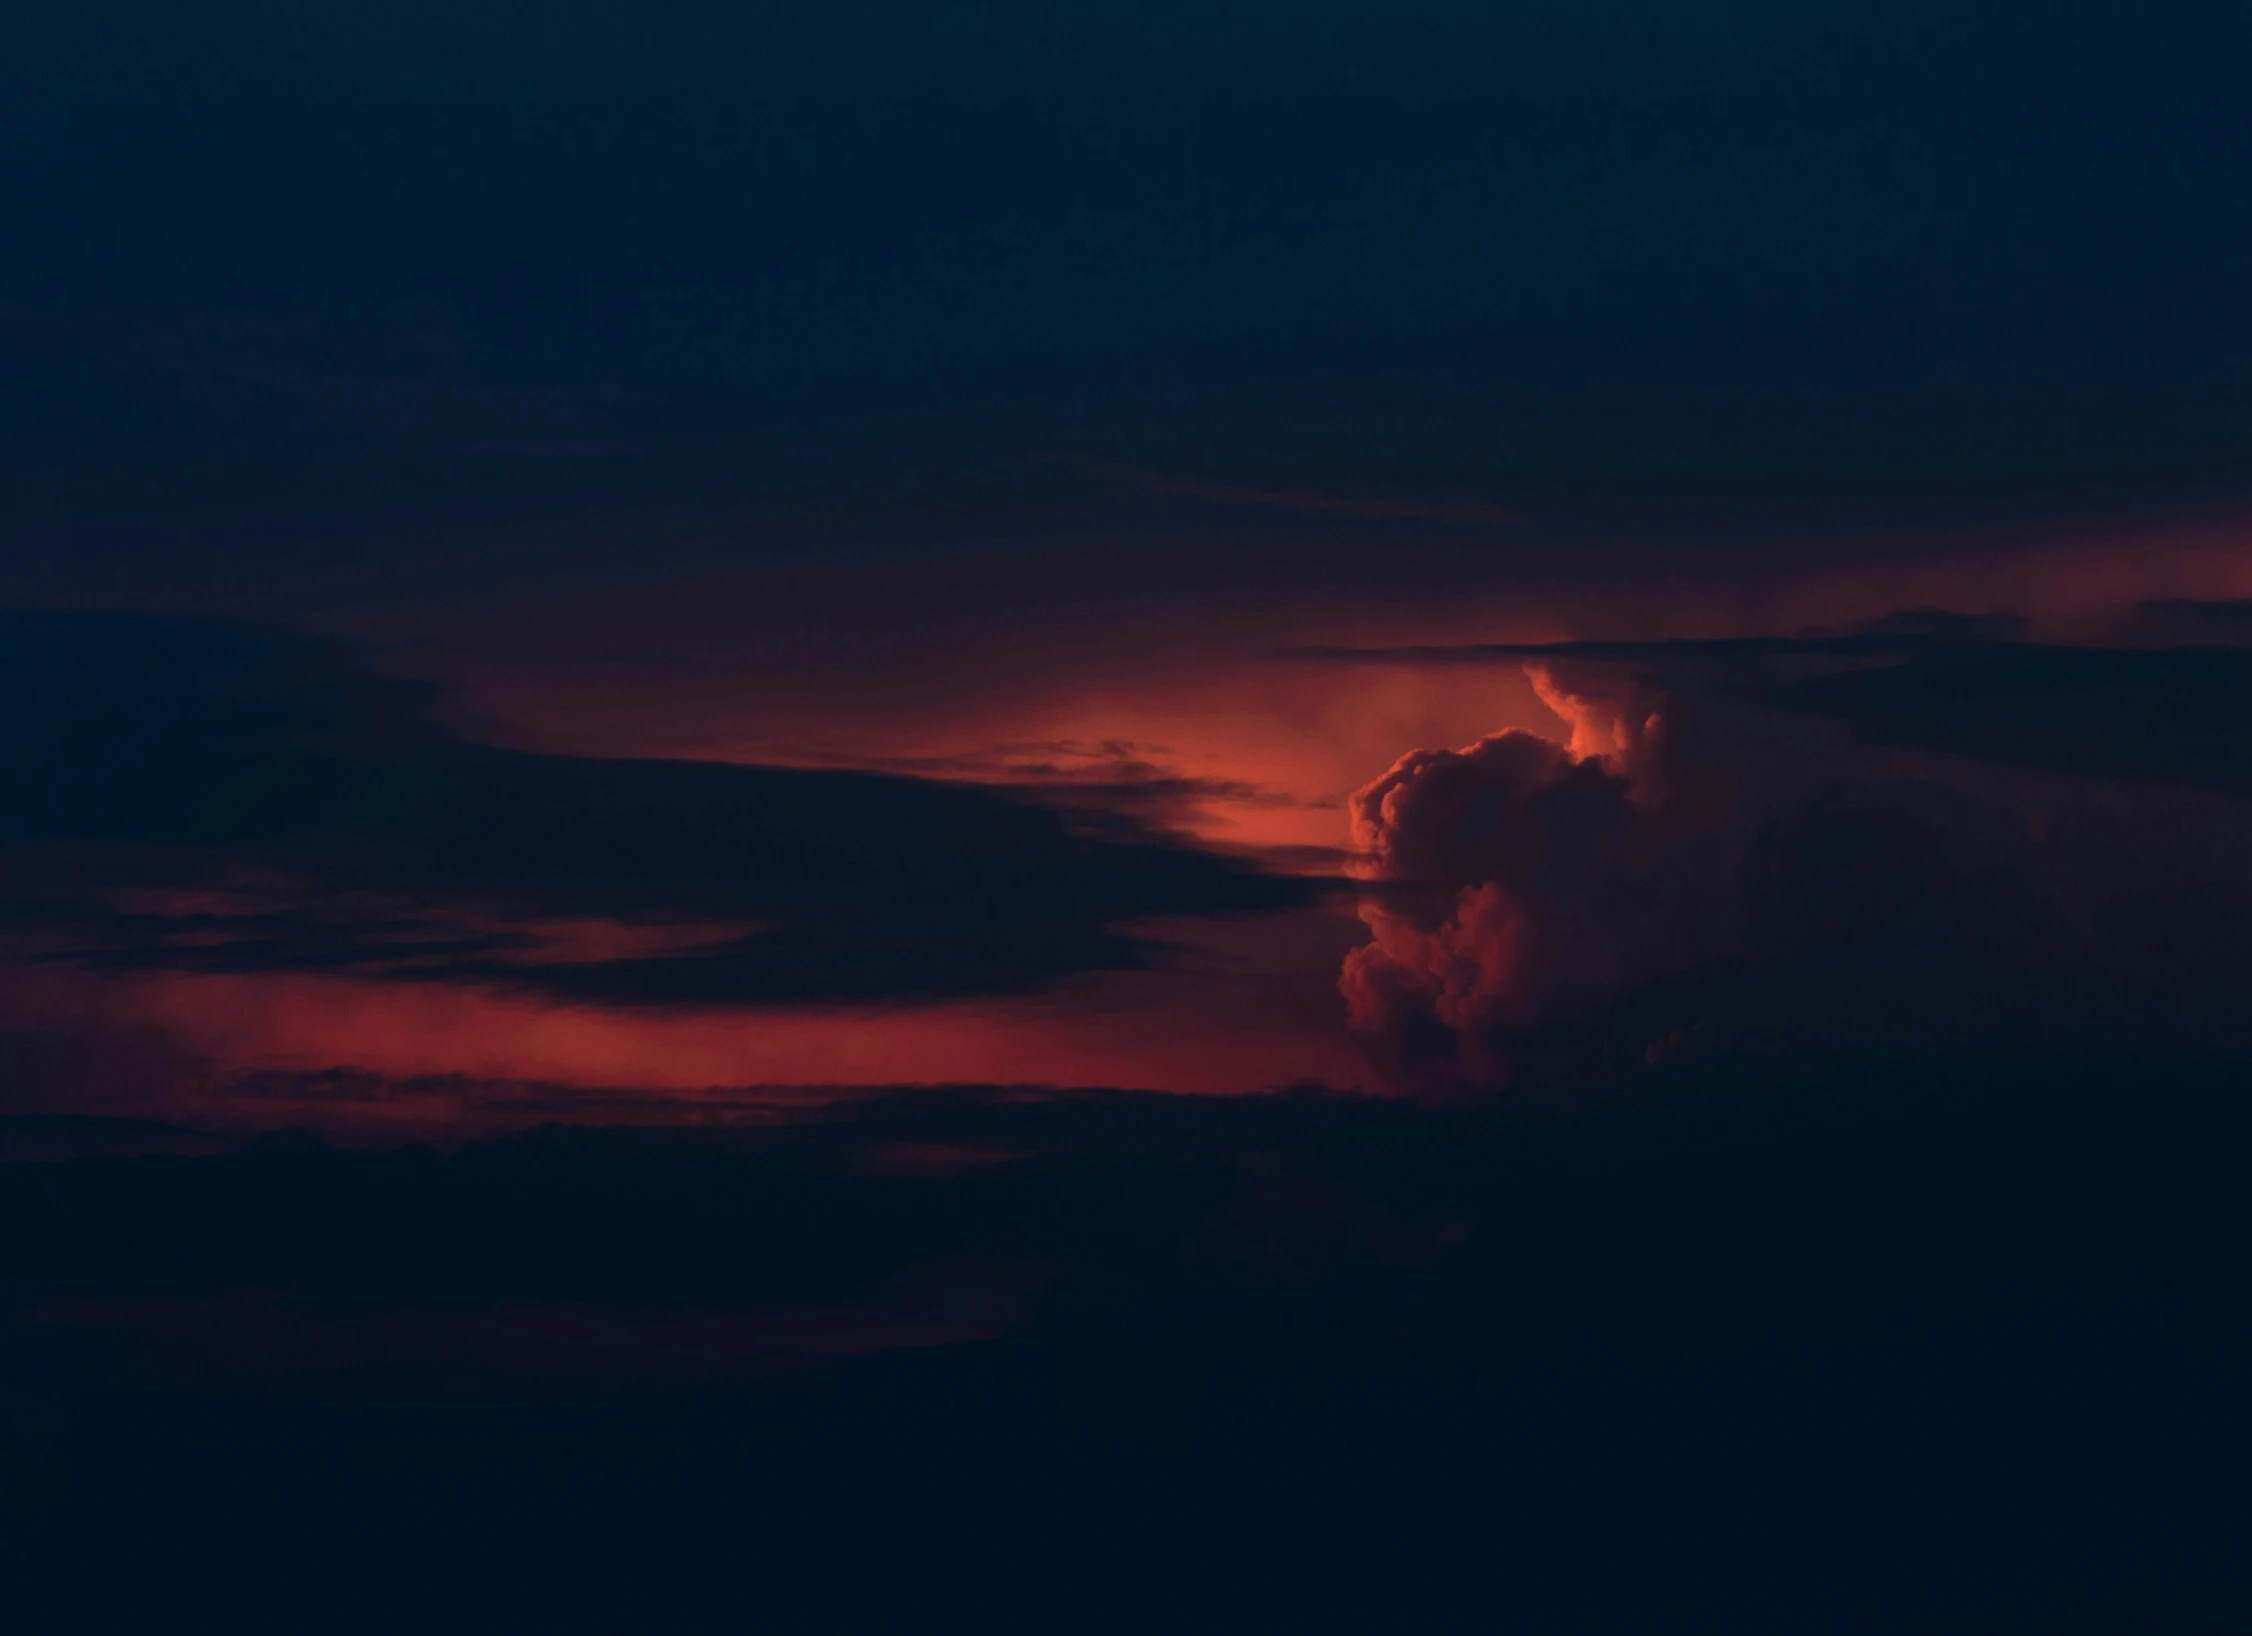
point(191, 796)
point(2199, 611)
point(1968, 685)
point(1097, 781)
point(1933, 825)
point(2173, 714)
point(1527, 888)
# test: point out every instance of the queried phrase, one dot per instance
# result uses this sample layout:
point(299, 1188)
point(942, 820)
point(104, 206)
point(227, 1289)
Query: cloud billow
point(1529, 887)
point(1932, 828)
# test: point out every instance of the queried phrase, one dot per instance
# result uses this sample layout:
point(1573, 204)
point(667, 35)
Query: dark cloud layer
point(1939, 825)
point(1849, 1343)
point(1982, 686)
point(197, 797)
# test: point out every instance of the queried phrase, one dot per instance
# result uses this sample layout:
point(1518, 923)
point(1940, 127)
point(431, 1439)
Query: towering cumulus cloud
point(1517, 888)
point(1932, 826)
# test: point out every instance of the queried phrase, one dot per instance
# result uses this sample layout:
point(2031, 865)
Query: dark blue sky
point(902, 278)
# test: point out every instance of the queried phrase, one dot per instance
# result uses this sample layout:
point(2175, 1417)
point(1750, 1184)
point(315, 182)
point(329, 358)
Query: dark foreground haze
point(1869, 1338)
point(1430, 818)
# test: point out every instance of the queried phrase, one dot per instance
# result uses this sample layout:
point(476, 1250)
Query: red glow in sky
point(1200, 720)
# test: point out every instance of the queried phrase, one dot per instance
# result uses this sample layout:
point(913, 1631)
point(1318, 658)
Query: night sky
point(1431, 815)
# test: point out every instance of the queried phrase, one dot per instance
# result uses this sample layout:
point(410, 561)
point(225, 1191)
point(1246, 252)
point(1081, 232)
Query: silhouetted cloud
point(1935, 823)
point(1094, 781)
point(1968, 684)
point(2193, 612)
point(196, 797)
point(1530, 889)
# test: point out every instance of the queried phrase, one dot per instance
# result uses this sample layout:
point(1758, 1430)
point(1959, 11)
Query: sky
point(1315, 632)
point(1002, 407)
